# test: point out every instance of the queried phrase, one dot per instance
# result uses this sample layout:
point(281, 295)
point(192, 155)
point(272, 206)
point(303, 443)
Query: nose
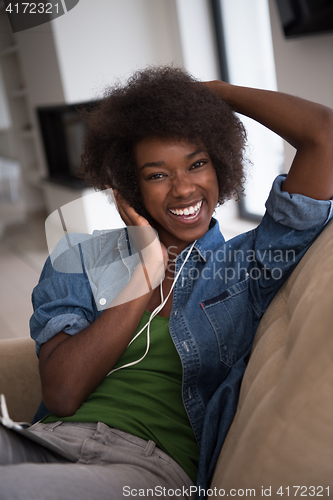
point(182, 186)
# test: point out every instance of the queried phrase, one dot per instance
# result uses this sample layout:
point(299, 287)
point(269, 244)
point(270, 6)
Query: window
point(246, 58)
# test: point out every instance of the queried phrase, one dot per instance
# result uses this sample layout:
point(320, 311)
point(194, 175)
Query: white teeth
point(193, 210)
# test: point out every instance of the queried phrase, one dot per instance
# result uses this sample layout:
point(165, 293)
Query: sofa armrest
point(19, 378)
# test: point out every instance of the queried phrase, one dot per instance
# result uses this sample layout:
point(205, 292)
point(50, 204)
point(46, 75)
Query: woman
point(171, 149)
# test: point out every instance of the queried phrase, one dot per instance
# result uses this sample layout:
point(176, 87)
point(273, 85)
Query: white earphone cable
point(153, 314)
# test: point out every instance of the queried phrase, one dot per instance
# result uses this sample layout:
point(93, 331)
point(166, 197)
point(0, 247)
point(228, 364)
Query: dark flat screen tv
point(305, 17)
point(62, 132)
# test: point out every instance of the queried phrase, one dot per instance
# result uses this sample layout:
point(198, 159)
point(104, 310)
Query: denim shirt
point(219, 298)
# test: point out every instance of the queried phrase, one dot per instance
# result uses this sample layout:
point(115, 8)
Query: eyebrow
point(162, 162)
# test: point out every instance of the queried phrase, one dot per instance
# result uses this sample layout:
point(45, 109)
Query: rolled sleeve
point(61, 302)
point(296, 210)
point(81, 277)
point(67, 323)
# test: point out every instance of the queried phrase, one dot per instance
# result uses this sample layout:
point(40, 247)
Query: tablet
point(22, 428)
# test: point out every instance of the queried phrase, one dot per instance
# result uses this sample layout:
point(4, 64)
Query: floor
point(23, 251)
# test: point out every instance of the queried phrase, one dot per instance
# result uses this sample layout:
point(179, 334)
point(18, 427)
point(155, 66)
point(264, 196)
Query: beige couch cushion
point(282, 434)
point(19, 378)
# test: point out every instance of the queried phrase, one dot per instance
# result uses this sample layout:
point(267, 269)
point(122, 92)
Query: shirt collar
point(209, 241)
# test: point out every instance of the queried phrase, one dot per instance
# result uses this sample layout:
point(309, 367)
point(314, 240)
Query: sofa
point(282, 435)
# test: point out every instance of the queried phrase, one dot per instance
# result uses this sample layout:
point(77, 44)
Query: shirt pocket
point(229, 315)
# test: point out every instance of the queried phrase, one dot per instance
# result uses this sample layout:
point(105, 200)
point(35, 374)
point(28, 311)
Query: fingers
point(153, 254)
point(127, 213)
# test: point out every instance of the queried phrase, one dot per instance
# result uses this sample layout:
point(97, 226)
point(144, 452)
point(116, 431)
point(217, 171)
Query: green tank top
point(146, 399)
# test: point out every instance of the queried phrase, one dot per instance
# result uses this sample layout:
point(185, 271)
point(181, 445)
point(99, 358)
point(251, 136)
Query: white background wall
point(100, 41)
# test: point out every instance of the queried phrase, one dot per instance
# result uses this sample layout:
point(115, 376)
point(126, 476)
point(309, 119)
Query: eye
point(155, 176)
point(198, 164)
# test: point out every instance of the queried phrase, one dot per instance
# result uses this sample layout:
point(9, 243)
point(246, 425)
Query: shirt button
point(102, 302)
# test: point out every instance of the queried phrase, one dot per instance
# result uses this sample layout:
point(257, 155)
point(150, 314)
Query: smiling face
point(179, 187)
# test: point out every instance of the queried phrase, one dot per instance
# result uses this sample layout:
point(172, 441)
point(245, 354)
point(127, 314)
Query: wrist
point(221, 88)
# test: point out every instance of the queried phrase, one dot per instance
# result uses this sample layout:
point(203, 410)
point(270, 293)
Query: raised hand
point(153, 254)
point(127, 213)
